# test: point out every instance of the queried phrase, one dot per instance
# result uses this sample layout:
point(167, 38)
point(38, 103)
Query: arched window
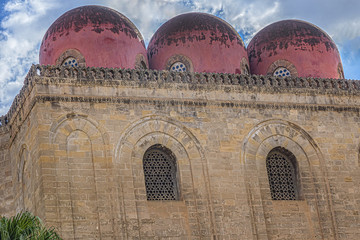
point(70, 62)
point(160, 173)
point(281, 72)
point(179, 63)
point(71, 58)
point(178, 67)
point(282, 174)
point(282, 68)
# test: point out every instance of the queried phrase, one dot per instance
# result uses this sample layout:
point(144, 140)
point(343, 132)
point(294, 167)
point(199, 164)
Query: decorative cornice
point(82, 76)
point(196, 103)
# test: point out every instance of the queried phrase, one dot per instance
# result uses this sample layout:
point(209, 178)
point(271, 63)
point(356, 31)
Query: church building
point(194, 137)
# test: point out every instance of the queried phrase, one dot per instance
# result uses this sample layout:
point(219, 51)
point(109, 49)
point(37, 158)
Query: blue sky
point(24, 22)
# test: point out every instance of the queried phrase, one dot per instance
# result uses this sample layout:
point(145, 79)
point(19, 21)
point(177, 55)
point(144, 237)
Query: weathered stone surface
point(71, 151)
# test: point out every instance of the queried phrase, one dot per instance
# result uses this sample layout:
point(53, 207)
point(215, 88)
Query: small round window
point(178, 67)
point(70, 62)
point(281, 72)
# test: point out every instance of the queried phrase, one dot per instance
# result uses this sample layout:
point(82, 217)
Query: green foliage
point(25, 226)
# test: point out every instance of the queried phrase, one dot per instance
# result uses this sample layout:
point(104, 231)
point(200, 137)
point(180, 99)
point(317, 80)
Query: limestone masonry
point(155, 149)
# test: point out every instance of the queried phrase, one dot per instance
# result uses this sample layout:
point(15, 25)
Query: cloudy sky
point(24, 22)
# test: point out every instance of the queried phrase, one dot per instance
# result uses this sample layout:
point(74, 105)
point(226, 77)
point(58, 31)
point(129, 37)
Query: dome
point(93, 36)
point(197, 42)
point(294, 48)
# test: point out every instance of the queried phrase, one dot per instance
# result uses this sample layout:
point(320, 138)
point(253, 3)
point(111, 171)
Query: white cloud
point(27, 20)
point(148, 15)
point(18, 45)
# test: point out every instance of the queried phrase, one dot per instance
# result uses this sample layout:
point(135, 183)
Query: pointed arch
point(81, 159)
point(313, 181)
point(192, 172)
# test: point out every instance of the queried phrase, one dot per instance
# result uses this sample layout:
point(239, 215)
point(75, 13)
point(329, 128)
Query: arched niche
point(314, 203)
point(194, 219)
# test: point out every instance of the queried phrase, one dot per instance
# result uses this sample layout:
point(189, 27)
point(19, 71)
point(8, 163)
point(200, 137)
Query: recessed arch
point(21, 162)
point(340, 71)
point(79, 147)
point(77, 121)
point(256, 146)
point(282, 64)
point(177, 60)
point(25, 178)
point(141, 62)
point(244, 65)
point(74, 54)
point(192, 169)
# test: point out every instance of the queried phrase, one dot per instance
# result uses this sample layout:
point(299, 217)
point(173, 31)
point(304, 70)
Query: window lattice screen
point(282, 178)
point(160, 175)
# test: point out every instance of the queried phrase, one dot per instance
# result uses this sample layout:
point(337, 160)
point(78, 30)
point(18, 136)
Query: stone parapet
point(109, 77)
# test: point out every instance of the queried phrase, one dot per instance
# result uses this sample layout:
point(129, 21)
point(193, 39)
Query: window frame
point(175, 173)
point(282, 63)
point(291, 159)
point(71, 53)
point(179, 58)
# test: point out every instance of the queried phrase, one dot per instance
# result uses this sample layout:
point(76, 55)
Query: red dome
point(202, 42)
point(295, 48)
point(94, 36)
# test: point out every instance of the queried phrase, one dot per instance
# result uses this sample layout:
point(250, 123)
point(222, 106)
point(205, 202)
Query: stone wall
point(84, 132)
point(6, 184)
